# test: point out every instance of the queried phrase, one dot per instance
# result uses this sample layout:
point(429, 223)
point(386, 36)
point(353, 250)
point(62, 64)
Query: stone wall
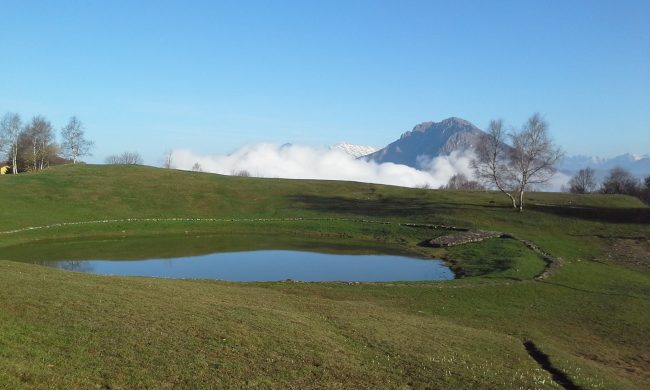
point(463, 238)
point(469, 236)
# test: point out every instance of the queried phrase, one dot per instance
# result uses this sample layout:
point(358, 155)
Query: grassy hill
point(62, 329)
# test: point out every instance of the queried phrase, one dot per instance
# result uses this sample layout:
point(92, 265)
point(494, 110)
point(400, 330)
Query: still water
point(232, 257)
point(270, 265)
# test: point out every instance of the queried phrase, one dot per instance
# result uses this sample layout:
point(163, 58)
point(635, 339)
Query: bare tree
point(168, 159)
point(460, 182)
point(241, 172)
point(533, 156)
point(40, 139)
point(528, 162)
point(73, 141)
point(10, 127)
point(129, 158)
point(620, 181)
point(197, 167)
point(583, 182)
point(645, 192)
point(492, 163)
point(132, 158)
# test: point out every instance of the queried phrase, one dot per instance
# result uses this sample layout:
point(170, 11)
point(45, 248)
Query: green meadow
point(61, 329)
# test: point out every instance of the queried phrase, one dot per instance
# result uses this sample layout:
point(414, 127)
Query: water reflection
point(270, 266)
point(216, 258)
point(74, 265)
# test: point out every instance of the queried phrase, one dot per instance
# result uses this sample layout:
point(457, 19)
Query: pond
point(313, 261)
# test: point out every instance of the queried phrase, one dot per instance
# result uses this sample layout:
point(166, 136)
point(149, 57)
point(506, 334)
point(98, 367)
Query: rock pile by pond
point(469, 236)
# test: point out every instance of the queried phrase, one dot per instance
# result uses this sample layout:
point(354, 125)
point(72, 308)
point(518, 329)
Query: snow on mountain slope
point(637, 164)
point(355, 150)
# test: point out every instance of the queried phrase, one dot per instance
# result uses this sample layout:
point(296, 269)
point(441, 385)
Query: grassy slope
point(63, 329)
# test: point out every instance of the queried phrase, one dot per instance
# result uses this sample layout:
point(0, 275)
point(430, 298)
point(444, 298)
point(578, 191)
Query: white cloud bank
point(305, 162)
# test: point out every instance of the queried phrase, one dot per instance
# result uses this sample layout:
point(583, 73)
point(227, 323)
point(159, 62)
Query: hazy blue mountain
point(432, 139)
point(429, 139)
point(638, 165)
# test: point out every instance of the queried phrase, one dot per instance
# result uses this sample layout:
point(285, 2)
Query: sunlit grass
point(62, 329)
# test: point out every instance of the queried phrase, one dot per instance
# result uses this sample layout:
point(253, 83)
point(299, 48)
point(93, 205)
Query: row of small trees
point(32, 145)
point(617, 181)
point(461, 182)
point(130, 158)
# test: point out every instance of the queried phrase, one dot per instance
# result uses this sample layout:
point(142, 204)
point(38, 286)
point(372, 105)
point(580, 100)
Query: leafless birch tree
point(492, 162)
point(40, 138)
point(10, 128)
point(73, 141)
point(514, 169)
point(533, 156)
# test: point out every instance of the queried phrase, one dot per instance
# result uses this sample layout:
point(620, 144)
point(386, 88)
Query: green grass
point(69, 330)
point(496, 258)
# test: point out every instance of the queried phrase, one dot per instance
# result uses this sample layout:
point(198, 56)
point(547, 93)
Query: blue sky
point(212, 76)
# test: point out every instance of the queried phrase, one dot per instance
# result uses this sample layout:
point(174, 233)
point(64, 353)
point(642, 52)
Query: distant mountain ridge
point(638, 165)
point(429, 139)
point(432, 139)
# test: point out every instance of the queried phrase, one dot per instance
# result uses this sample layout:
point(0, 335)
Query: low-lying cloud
point(305, 162)
point(559, 182)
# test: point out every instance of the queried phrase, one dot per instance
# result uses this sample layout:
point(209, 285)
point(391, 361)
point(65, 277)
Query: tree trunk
point(43, 151)
point(521, 200)
point(512, 198)
point(14, 168)
point(514, 201)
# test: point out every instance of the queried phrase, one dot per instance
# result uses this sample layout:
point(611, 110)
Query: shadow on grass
point(380, 206)
point(592, 291)
point(599, 214)
point(544, 362)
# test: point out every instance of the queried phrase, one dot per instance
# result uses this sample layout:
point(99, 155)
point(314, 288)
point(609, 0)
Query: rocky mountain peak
point(429, 139)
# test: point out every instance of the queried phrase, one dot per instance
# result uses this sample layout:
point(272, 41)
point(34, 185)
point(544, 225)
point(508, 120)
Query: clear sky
point(211, 76)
